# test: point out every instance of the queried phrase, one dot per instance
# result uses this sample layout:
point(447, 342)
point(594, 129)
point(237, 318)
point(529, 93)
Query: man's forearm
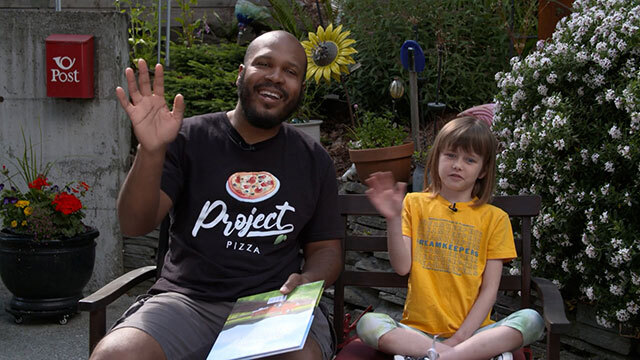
point(323, 261)
point(139, 197)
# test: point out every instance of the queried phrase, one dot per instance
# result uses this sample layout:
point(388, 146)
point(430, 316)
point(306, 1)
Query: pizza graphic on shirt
point(252, 186)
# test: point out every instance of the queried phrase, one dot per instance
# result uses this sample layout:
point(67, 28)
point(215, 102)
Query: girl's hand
point(385, 194)
point(153, 124)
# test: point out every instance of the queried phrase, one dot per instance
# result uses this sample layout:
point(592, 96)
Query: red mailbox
point(69, 66)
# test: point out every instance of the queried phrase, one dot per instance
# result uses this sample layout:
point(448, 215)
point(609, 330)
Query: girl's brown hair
point(472, 136)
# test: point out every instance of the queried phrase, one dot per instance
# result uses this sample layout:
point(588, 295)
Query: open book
point(267, 324)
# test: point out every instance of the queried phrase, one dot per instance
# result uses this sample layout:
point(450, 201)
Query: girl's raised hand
point(153, 124)
point(385, 194)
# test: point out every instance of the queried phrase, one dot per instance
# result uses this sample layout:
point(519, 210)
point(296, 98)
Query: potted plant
point(306, 116)
point(46, 252)
point(419, 161)
point(379, 144)
point(328, 56)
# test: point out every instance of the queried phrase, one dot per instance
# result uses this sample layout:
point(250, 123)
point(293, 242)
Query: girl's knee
point(372, 326)
point(533, 326)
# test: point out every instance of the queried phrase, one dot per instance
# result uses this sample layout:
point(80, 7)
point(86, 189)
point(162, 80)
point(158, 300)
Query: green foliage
point(473, 37)
point(376, 131)
point(205, 75)
point(143, 31)
point(309, 108)
point(290, 16)
point(188, 25)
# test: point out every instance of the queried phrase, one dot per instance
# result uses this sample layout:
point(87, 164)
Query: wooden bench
point(521, 210)
point(522, 207)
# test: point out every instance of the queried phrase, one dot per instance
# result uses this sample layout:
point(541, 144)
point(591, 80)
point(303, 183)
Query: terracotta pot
point(396, 159)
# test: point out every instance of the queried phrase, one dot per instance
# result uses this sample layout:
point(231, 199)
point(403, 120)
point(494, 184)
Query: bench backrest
point(521, 208)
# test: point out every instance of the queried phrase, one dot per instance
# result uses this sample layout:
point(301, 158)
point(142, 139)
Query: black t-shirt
point(242, 212)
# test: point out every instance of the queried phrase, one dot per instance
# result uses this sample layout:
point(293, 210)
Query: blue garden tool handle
point(418, 56)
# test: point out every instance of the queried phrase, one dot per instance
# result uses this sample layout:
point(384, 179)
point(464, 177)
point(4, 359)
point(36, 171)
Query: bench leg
point(97, 327)
point(553, 346)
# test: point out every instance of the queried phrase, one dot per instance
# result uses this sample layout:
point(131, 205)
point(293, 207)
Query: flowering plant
point(568, 119)
point(43, 210)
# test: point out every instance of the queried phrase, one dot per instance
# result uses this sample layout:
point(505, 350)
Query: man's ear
point(240, 70)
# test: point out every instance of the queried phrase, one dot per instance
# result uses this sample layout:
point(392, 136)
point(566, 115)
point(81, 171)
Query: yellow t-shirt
point(449, 252)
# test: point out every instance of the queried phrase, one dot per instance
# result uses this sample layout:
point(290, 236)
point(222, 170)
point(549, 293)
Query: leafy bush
point(568, 116)
point(475, 45)
point(377, 131)
point(205, 75)
point(143, 32)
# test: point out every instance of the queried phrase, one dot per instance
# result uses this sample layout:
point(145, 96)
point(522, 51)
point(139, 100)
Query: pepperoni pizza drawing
point(252, 186)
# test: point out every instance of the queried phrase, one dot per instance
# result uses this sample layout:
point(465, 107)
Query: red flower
point(39, 182)
point(66, 203)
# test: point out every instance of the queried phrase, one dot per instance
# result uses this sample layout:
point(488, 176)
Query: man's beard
point(264, 120)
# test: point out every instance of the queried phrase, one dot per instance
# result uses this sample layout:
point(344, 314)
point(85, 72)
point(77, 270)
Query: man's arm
point(322, 261)
point(141, 203)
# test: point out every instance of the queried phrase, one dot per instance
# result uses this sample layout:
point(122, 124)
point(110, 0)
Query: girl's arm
point(399, 247)
point(387, 195)
point(485, 301)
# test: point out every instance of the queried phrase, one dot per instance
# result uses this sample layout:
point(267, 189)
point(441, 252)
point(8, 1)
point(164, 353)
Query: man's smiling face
point(270, 81)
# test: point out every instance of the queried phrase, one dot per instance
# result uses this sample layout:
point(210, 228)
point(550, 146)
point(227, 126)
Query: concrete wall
point(89, 139)
point(224, 8)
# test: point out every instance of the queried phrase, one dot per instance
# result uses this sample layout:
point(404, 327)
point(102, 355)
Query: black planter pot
point(46, 277)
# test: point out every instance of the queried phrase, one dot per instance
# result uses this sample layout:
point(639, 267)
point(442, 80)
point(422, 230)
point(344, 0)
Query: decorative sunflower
point(328, 53)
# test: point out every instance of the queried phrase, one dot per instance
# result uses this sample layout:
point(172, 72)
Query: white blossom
point(550, 259)
point(589, 293)
point(542, 90)
point(622, 315)
point(608, 167)
point(614, 132)
point(616, 290)
point(632, 307)
point(590, 251)
point(616, 243)
point(603, 322)
point(624, 151)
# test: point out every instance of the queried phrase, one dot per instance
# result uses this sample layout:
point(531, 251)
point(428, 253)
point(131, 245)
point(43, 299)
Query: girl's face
point(458, 171)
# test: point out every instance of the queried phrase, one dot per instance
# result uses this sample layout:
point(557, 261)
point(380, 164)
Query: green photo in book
point(267, 324)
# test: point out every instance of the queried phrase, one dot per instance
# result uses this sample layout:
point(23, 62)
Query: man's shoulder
point(210, 119)
point(212, 123)
point(304, 140)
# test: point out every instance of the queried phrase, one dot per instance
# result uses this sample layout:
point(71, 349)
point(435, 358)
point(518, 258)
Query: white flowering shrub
point(568, 119)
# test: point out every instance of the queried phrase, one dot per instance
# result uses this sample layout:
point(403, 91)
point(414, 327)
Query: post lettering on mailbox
point(69, 66)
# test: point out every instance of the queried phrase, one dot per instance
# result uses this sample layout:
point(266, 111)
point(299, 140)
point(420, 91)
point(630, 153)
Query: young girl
point(452, 244)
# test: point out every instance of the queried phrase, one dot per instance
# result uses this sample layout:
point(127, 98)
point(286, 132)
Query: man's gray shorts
point(186, 328)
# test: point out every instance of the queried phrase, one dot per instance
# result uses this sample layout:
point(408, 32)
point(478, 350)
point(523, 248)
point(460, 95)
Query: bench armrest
point(552, 306)
point(113, 290)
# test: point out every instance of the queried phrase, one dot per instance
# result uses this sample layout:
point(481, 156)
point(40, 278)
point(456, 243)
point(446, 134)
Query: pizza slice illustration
point(252, 186)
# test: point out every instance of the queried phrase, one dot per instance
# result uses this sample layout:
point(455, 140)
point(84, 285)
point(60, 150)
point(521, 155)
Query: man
point(245, 194)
